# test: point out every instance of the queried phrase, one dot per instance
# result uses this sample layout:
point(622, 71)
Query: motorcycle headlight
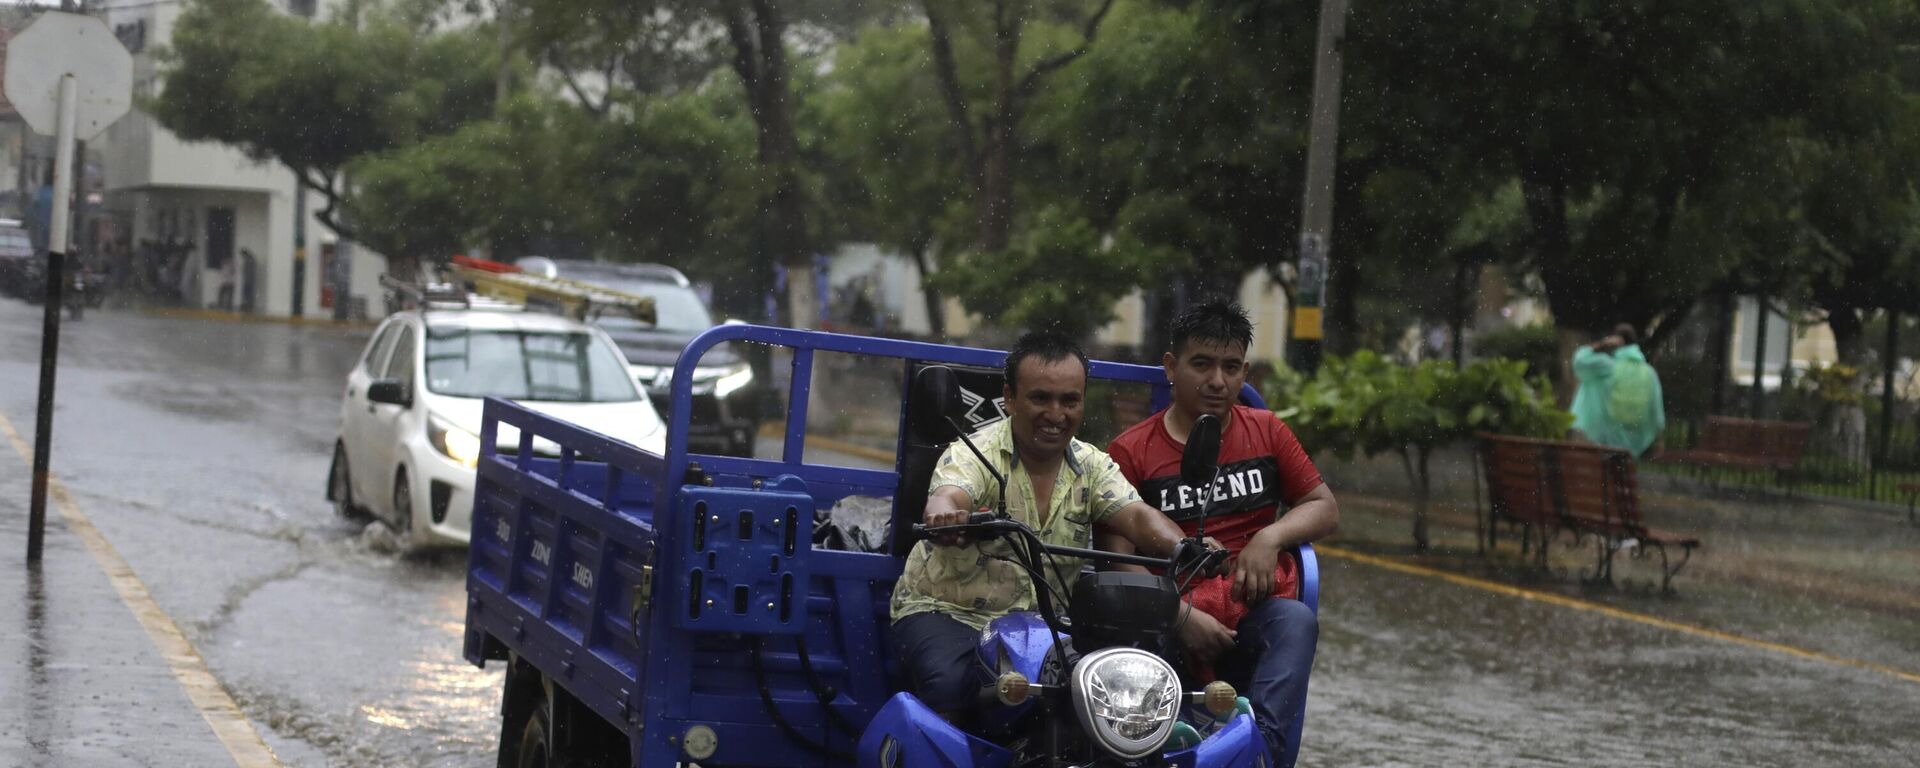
point(1126, 700)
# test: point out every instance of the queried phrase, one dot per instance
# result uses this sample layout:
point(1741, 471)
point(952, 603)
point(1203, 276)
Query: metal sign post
point(67, 75)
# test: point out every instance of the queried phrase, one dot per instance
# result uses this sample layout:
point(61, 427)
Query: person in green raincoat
point(1619, 403)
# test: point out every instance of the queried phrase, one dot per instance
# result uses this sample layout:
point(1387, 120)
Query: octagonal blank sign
point(58, 44)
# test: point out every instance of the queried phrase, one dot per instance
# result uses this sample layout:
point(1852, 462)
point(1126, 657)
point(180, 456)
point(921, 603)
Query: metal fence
point(1846, 457)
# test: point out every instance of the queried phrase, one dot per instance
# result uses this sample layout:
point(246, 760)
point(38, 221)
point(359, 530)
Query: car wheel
point(340, 486)
point(403, 508)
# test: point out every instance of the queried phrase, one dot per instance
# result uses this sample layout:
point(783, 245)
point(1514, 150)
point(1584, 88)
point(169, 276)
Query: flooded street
point(200, 451)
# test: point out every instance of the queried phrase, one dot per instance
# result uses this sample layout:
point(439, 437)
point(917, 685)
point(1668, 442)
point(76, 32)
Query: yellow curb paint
point(1609, 611)
point(837, 446)
point(235, 732)
point(214, 315)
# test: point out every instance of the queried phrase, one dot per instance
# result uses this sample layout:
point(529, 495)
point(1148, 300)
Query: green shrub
point(1369, 404)
point(1536, 345)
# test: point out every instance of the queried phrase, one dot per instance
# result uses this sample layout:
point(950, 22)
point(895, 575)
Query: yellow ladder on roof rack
point(572, 298)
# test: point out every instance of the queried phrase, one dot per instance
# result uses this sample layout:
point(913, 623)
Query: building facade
point(201, 224)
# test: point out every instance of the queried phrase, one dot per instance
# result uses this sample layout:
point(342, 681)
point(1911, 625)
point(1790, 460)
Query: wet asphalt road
point(200, 450)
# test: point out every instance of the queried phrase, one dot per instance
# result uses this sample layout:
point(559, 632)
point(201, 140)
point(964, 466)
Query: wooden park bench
point(1548, 486)
point(1735, 443)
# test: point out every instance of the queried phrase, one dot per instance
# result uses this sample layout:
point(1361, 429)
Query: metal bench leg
point(1667, 573)
point(1599, 561)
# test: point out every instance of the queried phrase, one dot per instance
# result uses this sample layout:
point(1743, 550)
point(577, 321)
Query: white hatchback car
point(410, 421)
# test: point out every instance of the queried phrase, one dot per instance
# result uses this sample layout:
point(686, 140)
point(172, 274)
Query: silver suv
point(726, 396)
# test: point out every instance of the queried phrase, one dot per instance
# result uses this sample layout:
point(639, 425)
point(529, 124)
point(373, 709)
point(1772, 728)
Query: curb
point(837, 446)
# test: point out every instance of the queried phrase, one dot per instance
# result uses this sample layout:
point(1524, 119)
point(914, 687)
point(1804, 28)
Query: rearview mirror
point(389, 391)
point(1200, 460)
point(936, 402)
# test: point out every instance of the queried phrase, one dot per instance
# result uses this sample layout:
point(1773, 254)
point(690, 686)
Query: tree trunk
point(1465, 274)
point(1580, 304)
point(760, 59)
point(1849, 334)
point(996, 172)
point(936, 309)
point(1417, 474)
point(1340, 305)
point(1570, 341)
point(1722, 352)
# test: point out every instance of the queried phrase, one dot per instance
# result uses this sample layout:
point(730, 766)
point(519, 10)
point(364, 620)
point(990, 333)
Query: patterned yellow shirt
point(967, 582)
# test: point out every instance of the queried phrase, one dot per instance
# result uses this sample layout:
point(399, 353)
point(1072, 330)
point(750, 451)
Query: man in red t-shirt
point(1248, 626)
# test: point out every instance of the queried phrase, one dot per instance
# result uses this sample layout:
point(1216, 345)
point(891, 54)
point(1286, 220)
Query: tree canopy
point(1038, 160)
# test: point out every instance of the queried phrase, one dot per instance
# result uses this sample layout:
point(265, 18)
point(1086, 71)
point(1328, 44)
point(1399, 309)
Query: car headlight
point(1126, 700)
point(732, 381)
point(456, 443)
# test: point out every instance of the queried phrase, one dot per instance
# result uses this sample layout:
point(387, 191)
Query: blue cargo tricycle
point(668, 610)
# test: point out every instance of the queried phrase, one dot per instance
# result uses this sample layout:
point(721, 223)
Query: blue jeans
point(1272, 654)
point(938, 655)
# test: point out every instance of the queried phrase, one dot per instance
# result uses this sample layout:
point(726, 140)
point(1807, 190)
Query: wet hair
point(1048, 347)
point(1626, 333)
point(1217, 321)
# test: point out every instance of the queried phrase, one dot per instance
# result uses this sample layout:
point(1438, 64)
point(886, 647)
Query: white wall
point(898, 292)
point(156, 170)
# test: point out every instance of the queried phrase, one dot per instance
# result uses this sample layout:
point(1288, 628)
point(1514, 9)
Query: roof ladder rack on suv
point(483, 284)
point(571, 298)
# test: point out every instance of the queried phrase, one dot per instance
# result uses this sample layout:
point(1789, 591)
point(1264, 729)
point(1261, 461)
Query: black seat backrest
point(926, 437)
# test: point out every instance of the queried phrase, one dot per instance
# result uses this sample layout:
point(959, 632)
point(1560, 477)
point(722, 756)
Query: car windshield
point(526, 365)
point(679, 308)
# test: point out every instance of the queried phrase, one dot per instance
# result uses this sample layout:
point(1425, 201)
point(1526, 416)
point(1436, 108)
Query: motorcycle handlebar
point(987, 525)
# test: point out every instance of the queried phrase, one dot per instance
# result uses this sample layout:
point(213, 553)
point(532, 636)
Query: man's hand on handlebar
point(947, 506)
point(942, 518)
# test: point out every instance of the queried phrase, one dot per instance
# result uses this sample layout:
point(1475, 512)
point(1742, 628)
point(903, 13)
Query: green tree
point(892, 176)
point(1623, 123)
point(1022, 43)
point(613, 56)
point(1058, 275)
point(1168, 135)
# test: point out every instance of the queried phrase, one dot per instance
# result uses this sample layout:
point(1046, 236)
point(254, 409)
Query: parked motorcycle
point(1088, 689)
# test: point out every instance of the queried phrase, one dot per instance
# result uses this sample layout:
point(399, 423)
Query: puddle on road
point(381, 680)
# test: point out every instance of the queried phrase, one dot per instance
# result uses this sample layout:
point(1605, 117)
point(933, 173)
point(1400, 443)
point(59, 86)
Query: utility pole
point(299, 245)
point(504, 70)
point(1316, 207)
point(1759, 354)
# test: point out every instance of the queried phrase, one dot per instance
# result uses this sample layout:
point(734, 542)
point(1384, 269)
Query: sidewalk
point(226, 316)
point(81, 682)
